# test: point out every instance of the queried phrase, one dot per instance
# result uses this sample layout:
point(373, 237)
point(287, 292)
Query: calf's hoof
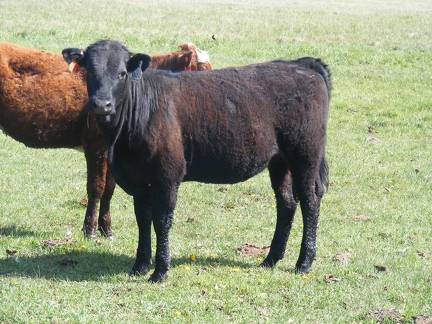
point(268, 263)
point(139, 269)
point(106, 232)
point(89, 233)
point(302, 268)
point(158, 277)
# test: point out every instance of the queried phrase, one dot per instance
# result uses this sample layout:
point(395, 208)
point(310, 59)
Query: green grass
point(380, 54)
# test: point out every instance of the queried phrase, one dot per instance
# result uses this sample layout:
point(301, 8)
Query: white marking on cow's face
point(202, 56)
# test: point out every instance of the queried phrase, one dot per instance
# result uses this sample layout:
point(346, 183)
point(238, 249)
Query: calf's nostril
point(104, 104)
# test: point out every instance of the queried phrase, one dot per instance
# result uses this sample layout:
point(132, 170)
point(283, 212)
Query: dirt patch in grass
point(360, 218)
point(424, 255)
point(331, 278)
point(52, 244)
point(342, 257)
point(250, 250)
point(381, 315)
point(422, 319)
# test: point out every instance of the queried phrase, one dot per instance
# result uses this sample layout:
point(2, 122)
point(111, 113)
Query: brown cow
point(200, 59)
point(42, 105)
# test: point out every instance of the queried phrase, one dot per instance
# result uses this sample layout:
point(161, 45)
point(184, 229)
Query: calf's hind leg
point(305, 177)
point(286, 205)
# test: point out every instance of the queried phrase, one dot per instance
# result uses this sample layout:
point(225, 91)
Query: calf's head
point(108, 65)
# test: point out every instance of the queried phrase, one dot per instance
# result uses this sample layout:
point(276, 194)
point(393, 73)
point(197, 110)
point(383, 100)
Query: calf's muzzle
point(101, 106)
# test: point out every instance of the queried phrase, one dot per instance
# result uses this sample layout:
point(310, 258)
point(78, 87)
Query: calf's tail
point(324, 174)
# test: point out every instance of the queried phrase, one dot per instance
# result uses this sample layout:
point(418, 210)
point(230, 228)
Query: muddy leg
point(143, 213)
point(104, 211)
point(96, 170)
point(286, 205)
point(164, 200)
point(305, 180)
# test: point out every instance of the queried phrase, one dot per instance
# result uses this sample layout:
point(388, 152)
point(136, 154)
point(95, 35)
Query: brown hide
point(176, 61)
point(41, 103)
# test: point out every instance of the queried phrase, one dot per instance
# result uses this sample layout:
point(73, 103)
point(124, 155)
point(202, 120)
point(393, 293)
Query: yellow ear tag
point(73, 67)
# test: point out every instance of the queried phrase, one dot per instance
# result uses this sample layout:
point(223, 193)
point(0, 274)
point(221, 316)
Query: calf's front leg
point(104, 222)
point(143, 213)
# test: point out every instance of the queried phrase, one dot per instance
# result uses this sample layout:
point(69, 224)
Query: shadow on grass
point(91, 266)
point(211, 262)
point(73, 266)
point(15, 231)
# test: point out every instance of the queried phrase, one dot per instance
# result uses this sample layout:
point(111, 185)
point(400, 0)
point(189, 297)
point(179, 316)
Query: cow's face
point(108, 65)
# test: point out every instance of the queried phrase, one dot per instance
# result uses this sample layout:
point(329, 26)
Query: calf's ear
point(137, 64)
point(73, 55)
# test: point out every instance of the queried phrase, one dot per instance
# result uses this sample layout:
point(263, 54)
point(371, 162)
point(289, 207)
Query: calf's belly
point(135, 178)
point(220, 175)
point(229, 168)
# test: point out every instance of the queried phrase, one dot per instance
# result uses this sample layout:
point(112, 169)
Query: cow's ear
point(73, 55)
point(137, 64)
point(185, 60)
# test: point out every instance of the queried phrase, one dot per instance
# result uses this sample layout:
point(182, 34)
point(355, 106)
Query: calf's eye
point(122, 75)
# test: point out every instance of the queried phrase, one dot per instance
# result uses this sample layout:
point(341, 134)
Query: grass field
point(377, 213)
